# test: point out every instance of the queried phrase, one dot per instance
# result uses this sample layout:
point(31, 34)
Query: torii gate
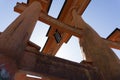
point(15, 46)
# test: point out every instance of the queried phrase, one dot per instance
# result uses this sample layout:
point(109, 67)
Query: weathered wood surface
point(97, 51)
point(57, 67)
point(66, 28)
point(14, 39)
point(95, 48)
point(65, 16)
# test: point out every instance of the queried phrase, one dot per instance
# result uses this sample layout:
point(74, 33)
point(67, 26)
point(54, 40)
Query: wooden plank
point(53, 22)
point(112, 44)
point(67, 28)
point(65, 17)
point(57, 67)
point(60, 25)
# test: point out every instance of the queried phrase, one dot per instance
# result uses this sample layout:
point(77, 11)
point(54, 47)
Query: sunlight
point(33, 76)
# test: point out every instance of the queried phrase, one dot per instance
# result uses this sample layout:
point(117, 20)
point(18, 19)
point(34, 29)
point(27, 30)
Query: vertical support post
point(13, 40)
point(97, 51)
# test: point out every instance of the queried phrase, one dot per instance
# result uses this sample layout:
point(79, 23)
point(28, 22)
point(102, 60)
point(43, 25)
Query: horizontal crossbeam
point(67, 28)
point(60, 68)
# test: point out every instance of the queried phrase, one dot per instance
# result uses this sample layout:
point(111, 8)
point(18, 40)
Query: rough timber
point(19, 56)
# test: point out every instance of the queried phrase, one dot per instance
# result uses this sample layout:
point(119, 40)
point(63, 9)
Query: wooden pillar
point(13, 40)
point(97, 51)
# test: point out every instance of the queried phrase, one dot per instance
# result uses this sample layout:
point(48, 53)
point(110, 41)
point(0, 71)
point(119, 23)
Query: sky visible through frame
point(101, 15)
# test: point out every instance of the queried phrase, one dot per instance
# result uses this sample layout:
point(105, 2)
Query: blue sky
point(101, 15)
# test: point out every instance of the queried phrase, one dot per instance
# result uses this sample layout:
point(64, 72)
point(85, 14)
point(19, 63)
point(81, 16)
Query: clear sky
point(101, 15)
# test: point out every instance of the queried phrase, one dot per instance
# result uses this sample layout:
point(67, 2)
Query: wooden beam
point(61, 68)
point(33, 45)
point(66, 17)
point(97, 51)
point(112, 44)
point(51, 21)
point(23, 75)
point(20, 7)
point(17, 34)
point(60, 25)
